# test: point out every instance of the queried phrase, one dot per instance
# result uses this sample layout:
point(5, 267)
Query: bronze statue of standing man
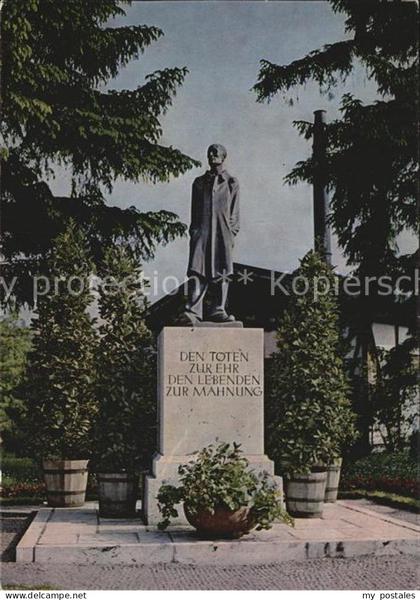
point(214, 225)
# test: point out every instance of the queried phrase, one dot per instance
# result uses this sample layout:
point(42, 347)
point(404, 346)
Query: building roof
point(252, 301)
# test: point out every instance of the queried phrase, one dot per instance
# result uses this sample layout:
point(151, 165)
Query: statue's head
point(216, 154)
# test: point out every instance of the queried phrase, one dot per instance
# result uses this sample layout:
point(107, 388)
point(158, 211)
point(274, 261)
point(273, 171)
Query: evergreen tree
point(309, 413)
point(395, 409)
point(58, 390)
point(15, 343)
point(372, 150)
point(371, 163)
point(125, 432)
point(58, 108)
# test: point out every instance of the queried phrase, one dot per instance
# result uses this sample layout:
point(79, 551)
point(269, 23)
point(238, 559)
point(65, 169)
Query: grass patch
point(19, 586)
point(386, 498)
point(22, 501)
point(34, 500)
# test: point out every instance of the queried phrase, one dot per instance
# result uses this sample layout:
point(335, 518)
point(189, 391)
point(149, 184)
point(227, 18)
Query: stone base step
point(80, 536)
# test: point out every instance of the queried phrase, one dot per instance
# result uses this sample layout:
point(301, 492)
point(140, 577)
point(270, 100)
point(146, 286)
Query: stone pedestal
point(210, 389)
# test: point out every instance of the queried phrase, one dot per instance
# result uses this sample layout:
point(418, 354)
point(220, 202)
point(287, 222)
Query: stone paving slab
point(81, 536)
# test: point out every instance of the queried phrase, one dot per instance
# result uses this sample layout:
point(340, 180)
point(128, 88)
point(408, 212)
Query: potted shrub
point(221, 496)
point(343, 434)
point(333, 479)
point(309, 415)
point(125, 387)
point(58, 390)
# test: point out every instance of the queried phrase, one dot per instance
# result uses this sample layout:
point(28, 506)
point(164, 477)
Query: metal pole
point(321, 203)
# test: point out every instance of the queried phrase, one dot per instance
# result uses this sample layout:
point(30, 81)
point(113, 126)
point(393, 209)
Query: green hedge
point(391, 472)
point(20, 470)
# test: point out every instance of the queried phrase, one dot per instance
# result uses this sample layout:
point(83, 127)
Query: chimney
point(322, 233)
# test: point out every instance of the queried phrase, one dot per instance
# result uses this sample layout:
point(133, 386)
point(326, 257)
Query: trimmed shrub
point(309, 417)
point(58, 390)
point(125, 429)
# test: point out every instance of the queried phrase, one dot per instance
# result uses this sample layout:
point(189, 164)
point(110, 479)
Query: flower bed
point(22, 479)
point(395, 473)
point(25, 488)
point(404, 487)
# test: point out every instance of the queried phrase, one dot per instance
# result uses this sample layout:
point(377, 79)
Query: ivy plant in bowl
point(221, 496)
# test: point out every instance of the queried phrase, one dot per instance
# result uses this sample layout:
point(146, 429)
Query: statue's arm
point(195, 217)
point(234, 209)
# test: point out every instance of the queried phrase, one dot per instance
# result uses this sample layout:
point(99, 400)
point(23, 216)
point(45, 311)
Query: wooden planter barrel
point(305, 494)
point(66, 482)
point(117, 494)
point(333, 479)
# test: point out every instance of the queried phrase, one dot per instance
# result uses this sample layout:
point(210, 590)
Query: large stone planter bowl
point(224, 523)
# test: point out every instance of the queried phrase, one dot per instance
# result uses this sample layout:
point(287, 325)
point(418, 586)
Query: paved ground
point(372, 573)
point(368, 573)
point(395, 513)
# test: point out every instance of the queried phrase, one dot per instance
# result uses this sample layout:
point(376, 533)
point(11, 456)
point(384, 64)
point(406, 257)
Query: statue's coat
point(214, 224)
